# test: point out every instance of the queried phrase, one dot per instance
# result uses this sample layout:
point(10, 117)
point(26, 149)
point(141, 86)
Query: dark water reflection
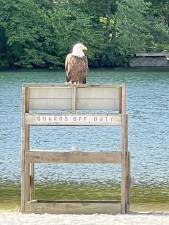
point(148, 108)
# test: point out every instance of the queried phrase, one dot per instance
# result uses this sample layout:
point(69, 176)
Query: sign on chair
point(75, 105)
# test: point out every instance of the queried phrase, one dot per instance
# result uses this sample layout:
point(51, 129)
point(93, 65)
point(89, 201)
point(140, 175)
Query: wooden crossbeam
point(73, 207)
point(39, 119)
point(37, 156)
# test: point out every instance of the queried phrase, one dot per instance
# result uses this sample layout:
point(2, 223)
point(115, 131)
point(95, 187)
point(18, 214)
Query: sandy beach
point(16, 218)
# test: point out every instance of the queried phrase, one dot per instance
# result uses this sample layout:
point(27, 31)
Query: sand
point(16, 218)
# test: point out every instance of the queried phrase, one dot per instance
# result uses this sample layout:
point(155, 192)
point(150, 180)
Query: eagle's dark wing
point(76, 69)
point(85, 64)
point(67, 67)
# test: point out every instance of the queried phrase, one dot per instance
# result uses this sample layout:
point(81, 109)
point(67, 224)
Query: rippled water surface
point(148, 108)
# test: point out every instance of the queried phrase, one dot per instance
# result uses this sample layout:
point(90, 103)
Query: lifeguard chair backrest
point(76, 97)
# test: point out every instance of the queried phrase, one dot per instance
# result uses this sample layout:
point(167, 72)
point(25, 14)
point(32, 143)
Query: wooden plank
point(41, 156)
point(51, 104)
point(73, 207)
point(89, 92)
point(74, 99)
point(73, 119)
point(32, 184)
point(123, 99)
point(23, 152)
point(63, 85)
point(128, 182)
point(97, 93)
point(125, 175)
point(50, 92)
point(120, 100)
point(98, 104)
point(88, 98)
point(125, 185)
point(27, 186)
point(25, 182)
point(66, 103)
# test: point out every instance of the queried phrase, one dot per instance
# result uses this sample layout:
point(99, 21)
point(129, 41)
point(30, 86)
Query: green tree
point(160, 24)
point(39, 36)
point(3, 50)
point(161, 9)
point(35, 33)
point(27, 30)
point(131, 29)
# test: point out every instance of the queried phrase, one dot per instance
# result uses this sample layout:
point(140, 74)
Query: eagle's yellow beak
point(84, 48)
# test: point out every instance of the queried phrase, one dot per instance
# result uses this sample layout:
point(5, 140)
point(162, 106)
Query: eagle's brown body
point(76, 69)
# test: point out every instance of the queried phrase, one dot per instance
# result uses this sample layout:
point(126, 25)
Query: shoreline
point(143, 198)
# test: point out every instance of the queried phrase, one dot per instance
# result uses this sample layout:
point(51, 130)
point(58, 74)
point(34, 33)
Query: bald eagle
point(76, 65)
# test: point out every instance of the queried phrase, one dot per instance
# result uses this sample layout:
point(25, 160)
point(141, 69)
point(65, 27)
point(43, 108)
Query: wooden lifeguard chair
point(62, 105)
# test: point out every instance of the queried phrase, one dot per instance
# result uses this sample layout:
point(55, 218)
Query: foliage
point(39, 36)
point(35, 33)
point(128, 30)
point(160, 24)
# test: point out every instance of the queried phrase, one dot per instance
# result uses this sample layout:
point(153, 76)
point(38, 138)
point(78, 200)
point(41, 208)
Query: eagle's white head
point(78, 50)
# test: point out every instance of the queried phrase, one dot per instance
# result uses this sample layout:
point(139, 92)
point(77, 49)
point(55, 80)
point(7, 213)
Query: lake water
point(148, 108)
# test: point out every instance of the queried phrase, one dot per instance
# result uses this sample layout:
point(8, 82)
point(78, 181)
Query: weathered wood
point(32, 184)
point(51, 104)
point(98, 104)
point(74, 99)
point(120, 100)
point(125, 185)
point(82, 104)
point(128, 182)
point(99, 92)
point(25, 182)
point(62, 97)
point(42, 156)
point(125, 175)
point(66, 104)
point(47, 92)
point(23, 152)
point(73, 119)
point(71, 98)
point(123, 88)
point(124, 132)
point(73, 207)
point(67, 85)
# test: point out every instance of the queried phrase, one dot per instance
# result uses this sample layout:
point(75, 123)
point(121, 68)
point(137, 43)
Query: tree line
point(39, 33)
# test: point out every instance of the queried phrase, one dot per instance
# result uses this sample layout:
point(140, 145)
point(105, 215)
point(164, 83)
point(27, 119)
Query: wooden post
point(125, 166)
point(123, 99)
point(120, 100)
point(32, 185)
point(73, 99)
point(129, 182)
point(25, 174)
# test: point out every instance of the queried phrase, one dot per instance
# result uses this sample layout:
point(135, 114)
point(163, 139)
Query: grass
point(143, 198)
point(9, 196)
